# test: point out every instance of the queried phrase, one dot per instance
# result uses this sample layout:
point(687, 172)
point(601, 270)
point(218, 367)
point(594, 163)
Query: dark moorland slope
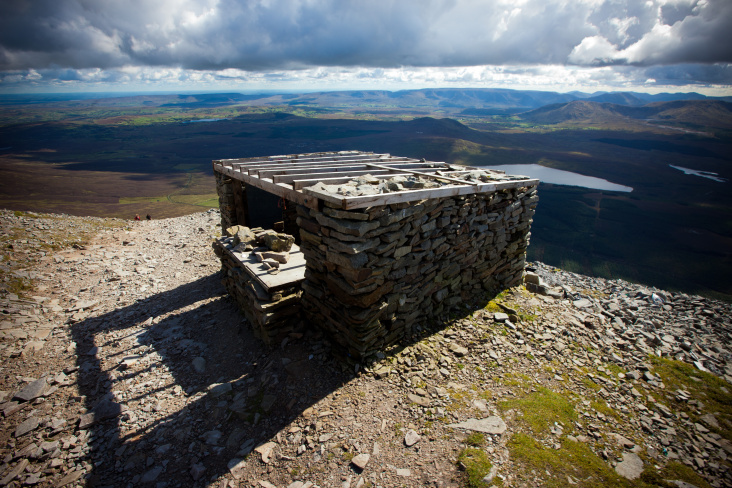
point(143, 154)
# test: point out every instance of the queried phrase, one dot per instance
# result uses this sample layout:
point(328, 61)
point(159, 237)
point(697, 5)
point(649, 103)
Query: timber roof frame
point(292, 176)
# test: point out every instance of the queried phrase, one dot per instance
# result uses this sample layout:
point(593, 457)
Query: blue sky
point(234, 45)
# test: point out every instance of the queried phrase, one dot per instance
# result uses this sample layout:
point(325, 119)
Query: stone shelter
point(382, 244)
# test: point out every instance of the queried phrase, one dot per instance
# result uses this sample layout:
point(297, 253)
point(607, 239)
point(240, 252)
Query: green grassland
point(140, 155)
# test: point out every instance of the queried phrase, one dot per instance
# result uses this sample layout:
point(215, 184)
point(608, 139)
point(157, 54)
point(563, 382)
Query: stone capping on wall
point(305, 178)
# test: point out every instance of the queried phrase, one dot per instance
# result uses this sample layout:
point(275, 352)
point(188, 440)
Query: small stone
point(246, 448)
point(70, 478)
point(279, 242)
point(219, 389)
point(422, 401)
point(403, 472)
point(151, 475)
point(197, 471)
point(458, 350)
point(105, 409)
point(710, 420)
point(211, 437)
point(266, 451)
point(236, 467)
point(199, 364)
point(281, 257)
point(500, 317)
point(361, 460)
point(268, 402)
point(32, 479)
point(411, 438)
point(622, 441)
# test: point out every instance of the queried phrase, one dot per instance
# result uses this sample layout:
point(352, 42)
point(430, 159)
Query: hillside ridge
point(125, 362)
point(702, 113)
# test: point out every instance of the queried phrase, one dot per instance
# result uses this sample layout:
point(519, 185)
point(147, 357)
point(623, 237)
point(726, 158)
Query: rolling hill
point(693, 113)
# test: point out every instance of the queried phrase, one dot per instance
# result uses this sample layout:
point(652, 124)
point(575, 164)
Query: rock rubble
point(126, 363)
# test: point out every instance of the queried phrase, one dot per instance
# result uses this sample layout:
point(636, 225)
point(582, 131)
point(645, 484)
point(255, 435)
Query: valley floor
point(124, 363)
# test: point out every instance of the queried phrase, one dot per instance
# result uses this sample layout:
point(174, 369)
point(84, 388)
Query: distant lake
point(560, 177)
point(703, 174)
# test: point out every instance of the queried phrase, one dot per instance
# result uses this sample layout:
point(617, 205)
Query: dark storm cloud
point(289, 34)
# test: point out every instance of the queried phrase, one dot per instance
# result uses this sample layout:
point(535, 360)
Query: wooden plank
point(286, 278)
point(300, 184)
point(446, 178)
point(261, 169)
point(283, 159)
point(349, 175)
point(289, 178)
point(268, 173)
point(326, 161)
point(282, 190)
point(291, 273)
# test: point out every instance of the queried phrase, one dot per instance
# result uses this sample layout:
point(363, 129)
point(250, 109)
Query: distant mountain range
point(473, 101)
point(465, 101)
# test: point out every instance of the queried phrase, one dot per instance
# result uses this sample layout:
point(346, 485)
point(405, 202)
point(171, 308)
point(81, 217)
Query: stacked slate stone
point(225, 191)
point(375, 275)
point(272, 314)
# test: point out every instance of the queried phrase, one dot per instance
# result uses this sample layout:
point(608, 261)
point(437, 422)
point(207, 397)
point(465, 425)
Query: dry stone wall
point(272, 315)
point(227, 206)
point(375, 275)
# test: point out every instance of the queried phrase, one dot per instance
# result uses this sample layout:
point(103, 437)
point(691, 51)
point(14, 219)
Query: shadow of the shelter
point(153, 412)
point(156, 419)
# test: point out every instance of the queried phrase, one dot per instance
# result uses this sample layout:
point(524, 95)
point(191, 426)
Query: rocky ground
point(124, 363)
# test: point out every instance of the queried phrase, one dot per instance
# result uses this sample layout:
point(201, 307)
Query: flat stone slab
point(489, 425)
point(106, 409)
point(27, 426)
point(32, 390)
point(631, 467)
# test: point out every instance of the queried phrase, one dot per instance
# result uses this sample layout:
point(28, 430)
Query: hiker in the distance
point(137, 216)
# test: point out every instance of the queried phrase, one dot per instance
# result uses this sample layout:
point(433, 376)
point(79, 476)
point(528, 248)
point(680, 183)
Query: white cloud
point(544, 77)
point(287, 38)
point(595, 50)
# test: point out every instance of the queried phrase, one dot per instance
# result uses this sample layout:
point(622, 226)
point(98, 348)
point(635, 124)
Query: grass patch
point(591, 385)
point(475, 439)
point(679, 471)
point(603, 408)
point(542, 408)
point(680, 375)
point(18, 286)
point(573, 459)
point(138, 200)
point(477, 466)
